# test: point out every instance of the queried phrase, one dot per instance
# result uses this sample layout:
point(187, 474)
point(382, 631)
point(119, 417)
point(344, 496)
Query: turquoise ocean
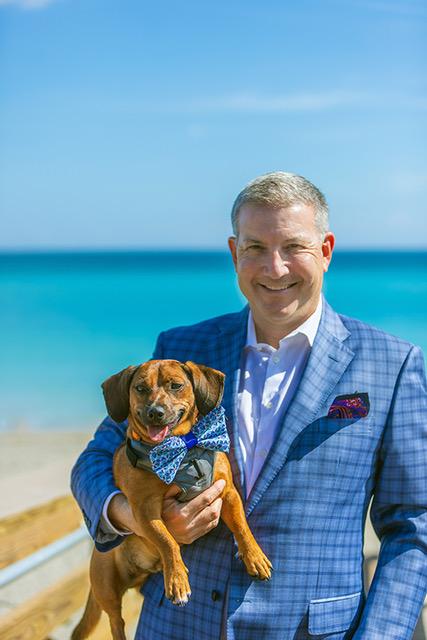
point(69, 320)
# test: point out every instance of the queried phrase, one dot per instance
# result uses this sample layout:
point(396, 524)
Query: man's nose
point(276, 265)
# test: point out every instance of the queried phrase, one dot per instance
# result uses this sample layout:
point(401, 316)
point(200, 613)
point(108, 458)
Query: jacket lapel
point(228, 357)
point(328, 360)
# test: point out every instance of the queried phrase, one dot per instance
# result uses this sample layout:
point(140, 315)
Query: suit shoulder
point(205, 326)
point(374, 338)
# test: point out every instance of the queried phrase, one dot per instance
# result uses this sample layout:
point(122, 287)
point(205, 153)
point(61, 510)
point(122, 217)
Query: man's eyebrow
point(254, 240)
point(297, 238)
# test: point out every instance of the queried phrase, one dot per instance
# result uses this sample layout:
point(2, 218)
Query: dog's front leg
point(233, 514)
point(175, 573)
point(256, 562)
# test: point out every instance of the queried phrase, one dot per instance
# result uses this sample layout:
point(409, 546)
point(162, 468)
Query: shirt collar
point(309, 328)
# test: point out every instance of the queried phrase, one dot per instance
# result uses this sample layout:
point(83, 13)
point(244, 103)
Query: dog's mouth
point(157, 433)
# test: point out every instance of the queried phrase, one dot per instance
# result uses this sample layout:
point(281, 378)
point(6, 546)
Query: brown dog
point(159, 398)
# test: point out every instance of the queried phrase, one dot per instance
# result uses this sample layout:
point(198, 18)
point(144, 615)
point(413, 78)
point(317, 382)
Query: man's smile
point(275, 288)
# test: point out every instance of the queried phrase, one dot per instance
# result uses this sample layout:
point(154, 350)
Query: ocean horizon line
point(56, 251)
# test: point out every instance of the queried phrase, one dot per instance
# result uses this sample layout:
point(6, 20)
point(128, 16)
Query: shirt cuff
point(105, 523)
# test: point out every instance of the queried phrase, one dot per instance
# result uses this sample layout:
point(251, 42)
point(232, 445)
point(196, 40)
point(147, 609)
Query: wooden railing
point(34, 536)
point(27, 540)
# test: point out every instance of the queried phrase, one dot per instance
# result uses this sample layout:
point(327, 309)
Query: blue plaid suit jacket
point(309, 504)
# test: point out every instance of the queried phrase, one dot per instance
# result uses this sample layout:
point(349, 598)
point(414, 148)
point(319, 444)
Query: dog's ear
point(116, 393)
point(208, 385)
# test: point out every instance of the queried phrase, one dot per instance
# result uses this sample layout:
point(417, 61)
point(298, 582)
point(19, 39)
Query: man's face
point(280, 258)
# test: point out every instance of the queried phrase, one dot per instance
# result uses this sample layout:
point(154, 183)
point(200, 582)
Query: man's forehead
point(265, 233)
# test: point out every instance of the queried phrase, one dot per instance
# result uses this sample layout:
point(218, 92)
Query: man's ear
point(116, 393)
point(327, 249)
point(232, 245)
point(208, 385)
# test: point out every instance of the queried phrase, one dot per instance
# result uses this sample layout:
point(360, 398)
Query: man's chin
point(277, 314)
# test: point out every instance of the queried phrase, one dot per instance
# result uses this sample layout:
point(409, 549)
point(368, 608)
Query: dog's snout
point(155, 412)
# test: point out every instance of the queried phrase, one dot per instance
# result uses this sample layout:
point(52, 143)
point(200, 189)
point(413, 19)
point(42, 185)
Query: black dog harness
point(194, 475)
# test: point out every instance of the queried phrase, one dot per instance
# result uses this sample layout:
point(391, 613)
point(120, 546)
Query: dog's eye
point(176, 385)
point(140, 388)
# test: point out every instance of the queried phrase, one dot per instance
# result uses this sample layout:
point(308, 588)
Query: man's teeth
point(278, 288)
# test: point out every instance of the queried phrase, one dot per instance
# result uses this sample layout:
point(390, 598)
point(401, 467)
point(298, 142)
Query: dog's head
point(163, 397)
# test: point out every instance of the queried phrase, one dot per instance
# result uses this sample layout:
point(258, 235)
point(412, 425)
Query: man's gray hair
point(279, 190)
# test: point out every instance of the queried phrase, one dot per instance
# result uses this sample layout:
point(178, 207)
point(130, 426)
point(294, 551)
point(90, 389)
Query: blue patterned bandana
point(209, 433)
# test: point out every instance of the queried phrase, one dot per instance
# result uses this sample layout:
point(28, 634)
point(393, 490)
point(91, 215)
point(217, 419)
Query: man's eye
point(176, 385)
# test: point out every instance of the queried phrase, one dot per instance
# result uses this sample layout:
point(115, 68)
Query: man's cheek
point(247, 264)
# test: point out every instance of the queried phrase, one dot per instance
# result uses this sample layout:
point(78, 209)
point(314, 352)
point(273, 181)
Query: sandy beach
point(35, 468)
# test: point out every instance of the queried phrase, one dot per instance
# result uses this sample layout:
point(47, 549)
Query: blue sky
point(134, 124)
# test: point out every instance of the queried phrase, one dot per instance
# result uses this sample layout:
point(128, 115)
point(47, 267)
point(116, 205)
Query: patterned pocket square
point(355, 405)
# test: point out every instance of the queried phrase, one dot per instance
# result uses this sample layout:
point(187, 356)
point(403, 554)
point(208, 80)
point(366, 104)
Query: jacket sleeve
point(92, 479)
point(399, 513)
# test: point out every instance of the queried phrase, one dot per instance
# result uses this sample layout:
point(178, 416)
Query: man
point(324, 412)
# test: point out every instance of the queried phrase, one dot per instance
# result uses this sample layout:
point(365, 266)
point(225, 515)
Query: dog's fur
point(159, 398)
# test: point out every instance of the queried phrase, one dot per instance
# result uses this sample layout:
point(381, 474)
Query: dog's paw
point(177, 587)
point(182, 603)
point(257, 564)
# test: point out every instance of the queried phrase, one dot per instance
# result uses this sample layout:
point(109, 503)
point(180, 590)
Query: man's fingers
point(202, 531)
point(190, 520)
point(205, 499)
point(209, 515)
point(214, 510)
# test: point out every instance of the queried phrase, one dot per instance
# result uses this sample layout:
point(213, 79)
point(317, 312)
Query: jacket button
point(215, 595)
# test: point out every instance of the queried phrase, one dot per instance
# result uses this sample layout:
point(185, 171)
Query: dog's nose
point(155, 412)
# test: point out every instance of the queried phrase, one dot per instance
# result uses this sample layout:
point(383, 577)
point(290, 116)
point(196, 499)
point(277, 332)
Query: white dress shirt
point(268, 380)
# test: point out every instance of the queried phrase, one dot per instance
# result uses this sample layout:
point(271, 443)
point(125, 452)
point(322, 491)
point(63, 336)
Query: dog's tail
point(90, 619)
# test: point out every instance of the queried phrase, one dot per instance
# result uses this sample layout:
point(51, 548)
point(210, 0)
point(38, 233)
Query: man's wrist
point(113, 511)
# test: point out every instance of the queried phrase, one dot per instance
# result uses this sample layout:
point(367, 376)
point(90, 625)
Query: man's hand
point(186, 521)
point(190, 520)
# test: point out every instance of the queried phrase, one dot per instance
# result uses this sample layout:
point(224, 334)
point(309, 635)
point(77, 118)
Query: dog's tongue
point(158, 435)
